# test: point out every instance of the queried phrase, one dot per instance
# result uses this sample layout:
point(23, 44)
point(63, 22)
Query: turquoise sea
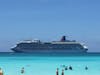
point(46, 64)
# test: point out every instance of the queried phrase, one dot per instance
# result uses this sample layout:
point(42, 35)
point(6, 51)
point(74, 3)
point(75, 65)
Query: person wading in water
point(1, 72)
point(62, 72)
point(57, 71)
point(22, 70)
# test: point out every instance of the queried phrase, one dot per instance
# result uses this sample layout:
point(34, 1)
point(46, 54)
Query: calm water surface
point(46, 64)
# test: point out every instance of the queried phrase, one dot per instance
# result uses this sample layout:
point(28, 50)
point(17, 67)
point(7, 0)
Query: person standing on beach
point(62, 72)
point(57, 72)
point(1, 71)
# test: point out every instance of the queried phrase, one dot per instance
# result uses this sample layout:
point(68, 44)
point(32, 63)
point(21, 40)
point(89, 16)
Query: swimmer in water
point(70, 67)
point(86, 68)
point(66, 68)
point(63, 65)
point(22, 70)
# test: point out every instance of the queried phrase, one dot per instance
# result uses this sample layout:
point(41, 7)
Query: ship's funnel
point(63, 38)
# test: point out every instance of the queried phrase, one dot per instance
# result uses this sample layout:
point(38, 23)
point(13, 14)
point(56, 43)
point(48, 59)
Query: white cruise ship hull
point(63, 46)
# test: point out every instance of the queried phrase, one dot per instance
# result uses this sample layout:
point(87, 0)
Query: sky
point(48, 20)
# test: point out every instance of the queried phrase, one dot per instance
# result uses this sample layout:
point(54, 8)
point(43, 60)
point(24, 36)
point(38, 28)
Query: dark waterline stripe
point(12, 54)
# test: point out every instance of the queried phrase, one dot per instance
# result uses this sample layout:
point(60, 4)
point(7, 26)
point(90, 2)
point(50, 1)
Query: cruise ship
point(62, 46)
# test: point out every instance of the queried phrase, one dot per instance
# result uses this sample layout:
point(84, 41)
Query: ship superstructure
point(55, 46)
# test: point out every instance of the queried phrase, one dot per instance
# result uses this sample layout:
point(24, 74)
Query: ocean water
point(46, 64)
